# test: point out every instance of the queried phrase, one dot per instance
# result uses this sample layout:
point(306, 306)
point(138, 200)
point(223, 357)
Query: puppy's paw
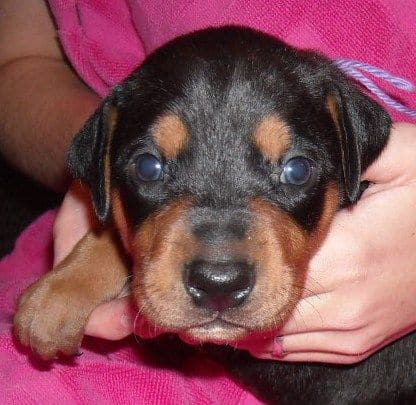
point(51, 317)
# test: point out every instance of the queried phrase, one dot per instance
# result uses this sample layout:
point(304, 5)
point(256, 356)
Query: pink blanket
point(107, 372)
point(106, 40)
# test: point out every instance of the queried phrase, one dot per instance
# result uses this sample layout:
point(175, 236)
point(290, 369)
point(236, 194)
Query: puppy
point(220, 163)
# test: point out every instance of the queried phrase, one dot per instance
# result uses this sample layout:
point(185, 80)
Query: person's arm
point(43, 102)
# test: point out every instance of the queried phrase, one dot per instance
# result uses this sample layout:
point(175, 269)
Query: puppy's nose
point(219, 286)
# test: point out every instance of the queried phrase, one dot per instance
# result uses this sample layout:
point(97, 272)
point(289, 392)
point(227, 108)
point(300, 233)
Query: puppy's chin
point(217, 331)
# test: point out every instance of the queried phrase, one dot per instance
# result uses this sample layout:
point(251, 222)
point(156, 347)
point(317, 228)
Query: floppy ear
point(89, 156)
point(363, 127)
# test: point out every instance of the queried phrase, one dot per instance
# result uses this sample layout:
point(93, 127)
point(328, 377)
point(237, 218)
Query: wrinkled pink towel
point(105, 40)
point(107, 372)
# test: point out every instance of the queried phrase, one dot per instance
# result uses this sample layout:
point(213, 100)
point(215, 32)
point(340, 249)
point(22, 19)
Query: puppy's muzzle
point(220, 277)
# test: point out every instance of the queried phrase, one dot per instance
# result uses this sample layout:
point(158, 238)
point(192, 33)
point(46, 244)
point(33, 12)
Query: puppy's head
point(222, 161)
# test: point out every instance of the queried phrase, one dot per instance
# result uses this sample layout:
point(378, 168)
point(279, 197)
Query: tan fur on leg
point(53, 312)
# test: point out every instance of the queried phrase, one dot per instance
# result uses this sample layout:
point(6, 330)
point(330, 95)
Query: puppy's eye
point(148, 167)
point(296, 171)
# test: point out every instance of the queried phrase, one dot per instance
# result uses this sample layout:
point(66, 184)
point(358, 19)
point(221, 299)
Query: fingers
point(324, 347)
point(364, 240)
point(117, 319)
point(339, 347)
point(74, 219)
point(113, 320)
point(358, 343)
point(331, 358)
point(397, 162)
point(316, 357)
point(327, 312)
point(341, 256)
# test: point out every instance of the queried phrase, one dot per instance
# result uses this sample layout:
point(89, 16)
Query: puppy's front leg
point(53, 312)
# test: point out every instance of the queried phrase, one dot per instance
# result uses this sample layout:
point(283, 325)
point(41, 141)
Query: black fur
point(86, 157)
point(222, 82)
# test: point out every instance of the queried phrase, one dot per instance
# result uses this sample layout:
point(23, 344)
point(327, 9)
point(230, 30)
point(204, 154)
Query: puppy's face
point(223, 160)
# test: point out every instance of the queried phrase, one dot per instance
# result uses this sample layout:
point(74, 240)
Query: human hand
point(112, 320)
point(360, 291)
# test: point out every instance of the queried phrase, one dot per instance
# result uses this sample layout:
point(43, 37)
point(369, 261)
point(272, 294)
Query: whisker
point(302, 318)
point(316, 311)
point(321, 287)
point(303, 288)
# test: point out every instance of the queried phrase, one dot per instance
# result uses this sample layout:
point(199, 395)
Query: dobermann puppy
point(221, 162)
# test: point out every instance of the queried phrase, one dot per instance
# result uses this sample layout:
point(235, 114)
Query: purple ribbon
point(355, 69)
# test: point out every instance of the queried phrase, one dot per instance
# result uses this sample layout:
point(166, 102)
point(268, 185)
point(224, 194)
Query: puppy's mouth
point(218, 331)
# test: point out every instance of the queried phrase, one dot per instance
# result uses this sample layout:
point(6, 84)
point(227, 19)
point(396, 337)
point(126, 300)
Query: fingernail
point(277, 350)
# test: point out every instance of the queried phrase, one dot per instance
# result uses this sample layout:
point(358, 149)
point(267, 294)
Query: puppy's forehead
point(226, 107)
point(219, 83)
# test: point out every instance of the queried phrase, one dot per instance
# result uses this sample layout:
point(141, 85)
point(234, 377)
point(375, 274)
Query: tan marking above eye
point(272, 137)
point(170, 135)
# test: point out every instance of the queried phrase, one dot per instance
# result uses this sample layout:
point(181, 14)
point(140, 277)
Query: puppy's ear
point(89, 156)
point(363, 127)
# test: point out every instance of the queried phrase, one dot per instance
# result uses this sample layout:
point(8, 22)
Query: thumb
point(75, 218)
point(397, 163)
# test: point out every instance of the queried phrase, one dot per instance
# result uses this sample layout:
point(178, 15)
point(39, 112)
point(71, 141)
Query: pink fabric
point(107, 372)
point(105, 40)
